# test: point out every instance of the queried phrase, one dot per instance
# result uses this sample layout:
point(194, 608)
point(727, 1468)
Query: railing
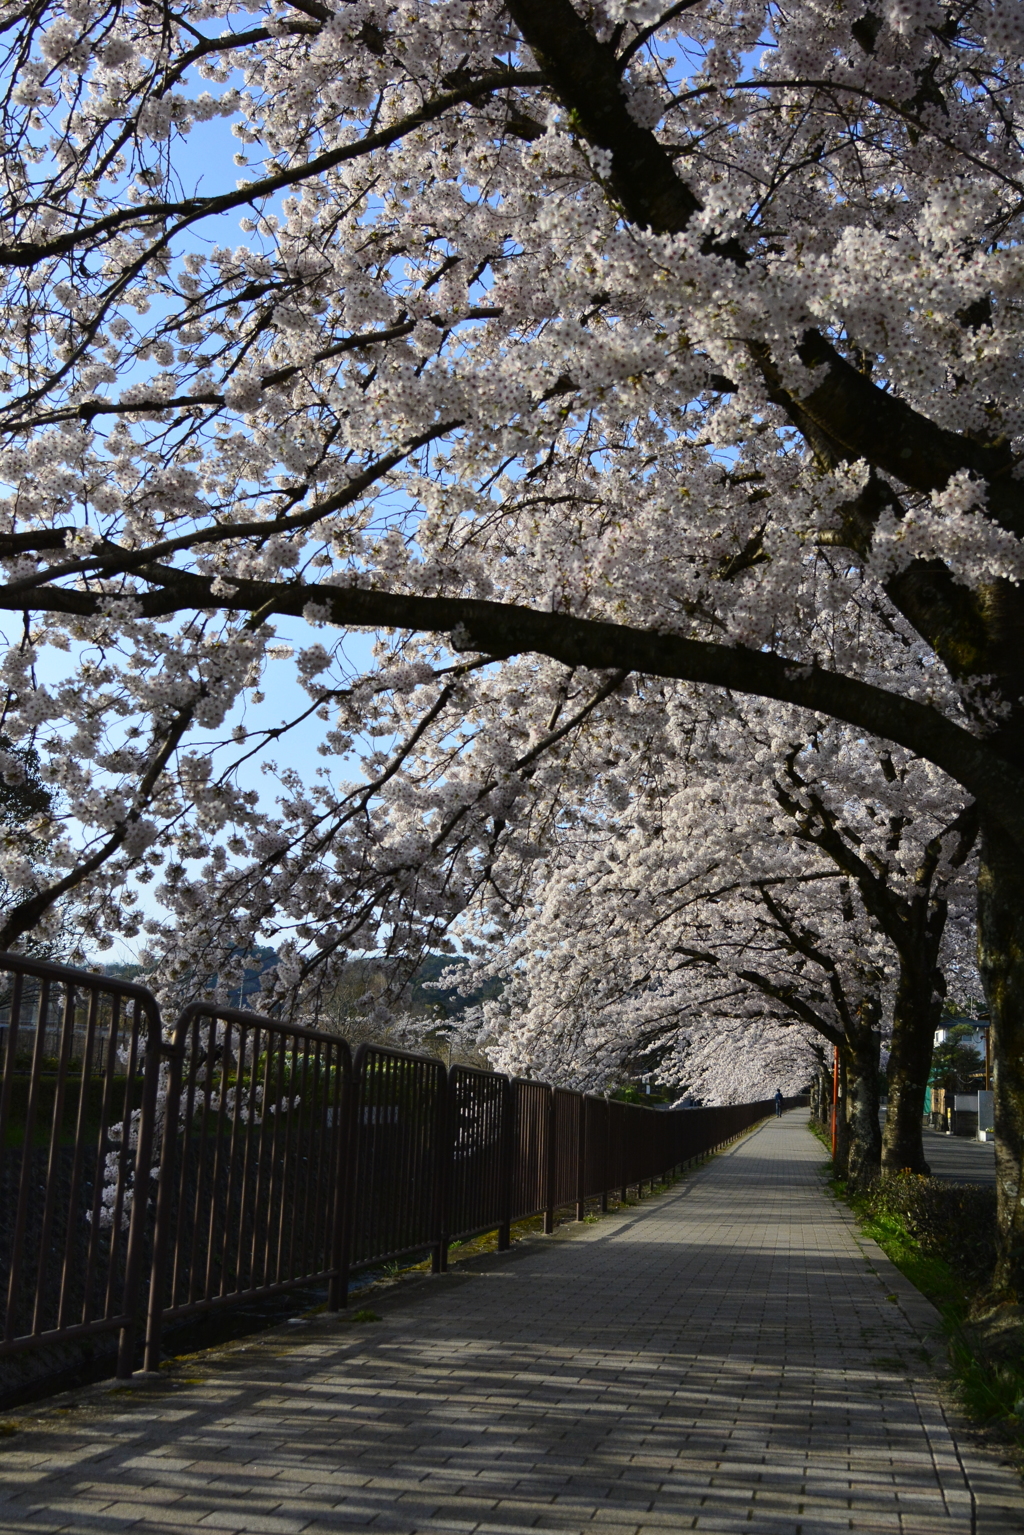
point(152, 1176)
point(249, 1180)
point(78, 1101)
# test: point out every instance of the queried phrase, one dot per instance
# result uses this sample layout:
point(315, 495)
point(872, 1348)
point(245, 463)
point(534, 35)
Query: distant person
point(778, 1103)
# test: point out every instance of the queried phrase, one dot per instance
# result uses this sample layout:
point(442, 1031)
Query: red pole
point(835, 1095)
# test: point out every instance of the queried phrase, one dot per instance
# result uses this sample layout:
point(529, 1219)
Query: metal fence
point(78, 1104)
point(249, 1182)
point(149, 1176)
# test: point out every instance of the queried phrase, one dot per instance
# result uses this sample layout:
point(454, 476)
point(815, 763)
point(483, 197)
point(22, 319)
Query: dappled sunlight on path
point(725, 1357)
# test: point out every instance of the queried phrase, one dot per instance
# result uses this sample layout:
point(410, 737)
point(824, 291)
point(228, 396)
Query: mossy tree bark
point(916, 1015)
point(1001, 956)
point(859, 1059)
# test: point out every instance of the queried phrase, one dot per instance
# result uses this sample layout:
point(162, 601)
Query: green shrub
point(942, 1237)
point(952, 1221)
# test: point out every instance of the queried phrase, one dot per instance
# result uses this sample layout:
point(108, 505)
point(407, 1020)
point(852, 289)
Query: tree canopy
point(623, 339)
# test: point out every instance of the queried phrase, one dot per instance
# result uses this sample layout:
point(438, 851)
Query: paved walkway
point(724, 1358)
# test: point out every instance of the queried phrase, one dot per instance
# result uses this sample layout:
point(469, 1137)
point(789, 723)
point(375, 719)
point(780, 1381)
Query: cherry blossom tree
point(756, 875)
point(906, 850)
point(564, 346)
point(746, 1060)
point(638, 973)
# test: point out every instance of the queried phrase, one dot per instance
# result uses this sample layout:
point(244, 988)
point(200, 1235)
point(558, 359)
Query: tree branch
point(505, 629)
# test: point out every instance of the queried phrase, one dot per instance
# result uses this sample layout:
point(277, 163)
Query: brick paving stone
point(731, 1356)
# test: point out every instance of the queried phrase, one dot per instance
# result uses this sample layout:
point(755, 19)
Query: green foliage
point(955, 1064)
point(955, 1222)
point(364, 1316)
point(427, 996)
point(630, 1093)
point(26, 797)
point(942, 1237)
point(818, 1129)
point(929, 1273)
point(46, 1094)
point(988, 1389)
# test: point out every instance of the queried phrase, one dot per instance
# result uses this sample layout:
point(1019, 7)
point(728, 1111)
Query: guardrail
point(148, 1176)
point(78, 1109)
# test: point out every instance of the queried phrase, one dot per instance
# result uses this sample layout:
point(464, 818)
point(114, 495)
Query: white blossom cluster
point(755, 884)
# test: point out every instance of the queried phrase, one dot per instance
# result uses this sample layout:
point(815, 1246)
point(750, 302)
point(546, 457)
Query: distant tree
point(956, 1064)
point(26, 807)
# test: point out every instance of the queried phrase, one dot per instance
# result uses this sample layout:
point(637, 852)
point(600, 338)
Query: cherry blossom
point(579, 353)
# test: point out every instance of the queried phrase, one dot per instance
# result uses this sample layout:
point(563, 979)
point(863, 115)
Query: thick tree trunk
point(825, 1097)
point(915, 1019)
point(841, 1160)
point(1001, 959)
point(860, 1057)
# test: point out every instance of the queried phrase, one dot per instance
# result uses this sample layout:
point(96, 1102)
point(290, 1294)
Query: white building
point(975, 1039)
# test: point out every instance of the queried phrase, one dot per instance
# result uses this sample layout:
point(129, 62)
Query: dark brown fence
point(152, 1177)
point(249, 1181)
point(396, 1158)
point(81, 1063)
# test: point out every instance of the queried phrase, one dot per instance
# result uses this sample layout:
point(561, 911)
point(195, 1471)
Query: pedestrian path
point(726, 1357)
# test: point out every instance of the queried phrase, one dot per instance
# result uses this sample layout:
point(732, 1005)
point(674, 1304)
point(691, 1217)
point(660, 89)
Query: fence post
point(140, 1193)
point(442, 1172)
point(509, 1104)
point(165, 1191)
point(606, 1154)
point(581, 1159)
point(624, 1148)
point(549, 1152)
point(344, 1182)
